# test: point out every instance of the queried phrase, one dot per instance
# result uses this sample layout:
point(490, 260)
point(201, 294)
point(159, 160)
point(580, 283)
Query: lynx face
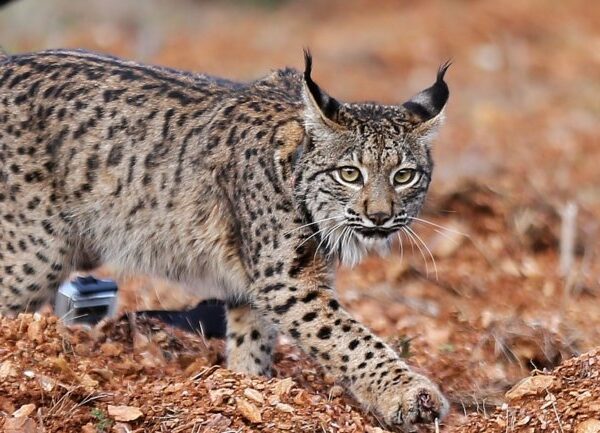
point(366, 168)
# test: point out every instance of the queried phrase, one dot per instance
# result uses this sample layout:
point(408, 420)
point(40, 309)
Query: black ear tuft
point(307, 65)
point(442, 70)
point(430, 102)
point(326, 104)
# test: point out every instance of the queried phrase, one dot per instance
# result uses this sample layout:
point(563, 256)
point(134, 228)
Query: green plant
point(103, 422)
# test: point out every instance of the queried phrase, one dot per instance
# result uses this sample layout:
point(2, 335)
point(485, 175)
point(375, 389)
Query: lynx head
point(365, 168)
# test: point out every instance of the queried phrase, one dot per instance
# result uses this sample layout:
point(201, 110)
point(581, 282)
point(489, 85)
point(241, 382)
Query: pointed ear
point(320, 107)
point(428, 105)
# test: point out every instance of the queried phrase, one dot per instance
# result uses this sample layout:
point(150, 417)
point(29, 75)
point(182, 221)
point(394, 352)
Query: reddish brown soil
point(521, 142)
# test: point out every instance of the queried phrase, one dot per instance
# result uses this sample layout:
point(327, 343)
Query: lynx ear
point(320, 107)
point(428, 105)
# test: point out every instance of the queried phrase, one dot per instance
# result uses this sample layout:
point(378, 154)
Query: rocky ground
point(511, 288)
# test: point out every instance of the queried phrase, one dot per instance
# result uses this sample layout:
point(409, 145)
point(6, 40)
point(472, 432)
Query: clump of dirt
point(136, 376)
point(566, 399)
point(130, 375)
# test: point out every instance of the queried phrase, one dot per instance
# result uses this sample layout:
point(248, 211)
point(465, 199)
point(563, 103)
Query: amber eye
point(405, 176)
point(350, 174)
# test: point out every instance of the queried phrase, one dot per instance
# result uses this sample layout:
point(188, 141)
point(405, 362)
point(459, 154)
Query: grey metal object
point(86, 300)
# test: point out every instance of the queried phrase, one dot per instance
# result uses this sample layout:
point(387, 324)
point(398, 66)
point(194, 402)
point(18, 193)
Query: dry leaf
point(249, 411)
point(24, 411)
point(124, 413)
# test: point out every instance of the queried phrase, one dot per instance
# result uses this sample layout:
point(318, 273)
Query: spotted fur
point(232, 189)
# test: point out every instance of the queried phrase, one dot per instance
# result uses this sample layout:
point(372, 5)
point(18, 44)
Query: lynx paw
point(419, 402)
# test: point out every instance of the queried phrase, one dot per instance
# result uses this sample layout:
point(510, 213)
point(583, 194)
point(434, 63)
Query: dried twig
point(568, 234)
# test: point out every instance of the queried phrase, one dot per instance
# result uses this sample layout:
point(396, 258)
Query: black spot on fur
point(308, 317)
point(310, 296)
point(281, 309)
point(324, 333)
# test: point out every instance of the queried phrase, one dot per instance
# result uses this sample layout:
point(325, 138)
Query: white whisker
point(314, 222)
point(313, 235)
point(424, 221)
point(401, 246)
point(414, 241)
point(445, 235)
point(326, 236)
point(337, 241)
point(426, 249)
point(412, 245)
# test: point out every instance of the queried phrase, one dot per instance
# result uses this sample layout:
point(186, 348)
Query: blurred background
point(513, 279)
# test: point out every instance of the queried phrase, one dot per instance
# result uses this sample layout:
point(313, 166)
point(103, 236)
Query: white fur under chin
point(354, 247)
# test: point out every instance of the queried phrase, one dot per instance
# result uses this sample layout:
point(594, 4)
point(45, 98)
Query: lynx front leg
point(250, 341)
point(306, 309)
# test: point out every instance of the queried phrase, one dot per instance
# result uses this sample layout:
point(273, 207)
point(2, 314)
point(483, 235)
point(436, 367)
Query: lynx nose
point(378, 218)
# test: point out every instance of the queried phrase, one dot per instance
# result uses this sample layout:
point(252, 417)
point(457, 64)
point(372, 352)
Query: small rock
point(531, 385)
point(284, 407)
point(88, 428)
point(35, 332)
point(21, 424)
point(88, 382)
point(217, 423)
point(253, 394)
point(121, 428)
point(124, 413)
point(103, 374)
point(283, 386)
point(248, 410)
point(6, 405)
point(588, 426)
point(111, 349)
point(6, 369)
point(524, 421)
point(24, 411)
point(46, 383)
point(217, 396)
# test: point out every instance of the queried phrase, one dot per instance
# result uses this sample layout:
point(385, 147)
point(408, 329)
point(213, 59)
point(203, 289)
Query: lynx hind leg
point(32, 265)
point(250, 341)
